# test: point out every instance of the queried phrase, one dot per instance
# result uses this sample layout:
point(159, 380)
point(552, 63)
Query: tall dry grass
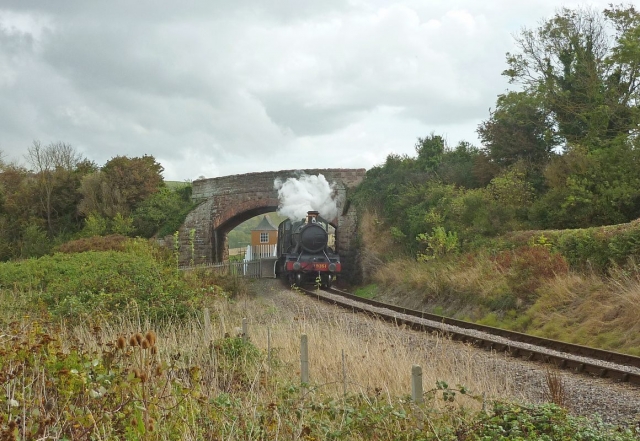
point(378, 360)
point(555, 388)
point(529, 289)
point(459, 288)
point(378, 357)
point(377, 365)
point(591, 309)
point(579, 307)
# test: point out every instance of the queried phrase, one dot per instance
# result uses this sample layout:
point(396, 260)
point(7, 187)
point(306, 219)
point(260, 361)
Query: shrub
point(438, 244)
point(113, 242)
point(238, 360)
point(624, 246)
point(543, 422)
point(100, 282)
point(596, 248)
point(527, 268)
point(583, 248)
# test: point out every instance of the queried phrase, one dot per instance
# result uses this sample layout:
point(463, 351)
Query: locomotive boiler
point(304, 254)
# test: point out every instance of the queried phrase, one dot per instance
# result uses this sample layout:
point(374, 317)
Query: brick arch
point(233, 214)
point(226, 202)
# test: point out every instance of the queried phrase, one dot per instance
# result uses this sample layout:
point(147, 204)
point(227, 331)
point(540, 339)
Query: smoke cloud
point(306, 193)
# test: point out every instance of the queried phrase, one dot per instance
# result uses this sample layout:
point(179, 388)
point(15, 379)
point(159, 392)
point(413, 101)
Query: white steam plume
point(308, 192)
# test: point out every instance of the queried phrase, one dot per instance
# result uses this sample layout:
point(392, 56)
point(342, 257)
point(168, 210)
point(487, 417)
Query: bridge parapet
point(263, 181)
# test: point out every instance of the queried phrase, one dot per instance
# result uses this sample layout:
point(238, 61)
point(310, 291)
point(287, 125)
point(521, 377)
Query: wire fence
point(416, 385)
point(250, 269)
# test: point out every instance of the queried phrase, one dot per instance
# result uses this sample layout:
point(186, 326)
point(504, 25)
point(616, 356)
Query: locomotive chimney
point(312, 217)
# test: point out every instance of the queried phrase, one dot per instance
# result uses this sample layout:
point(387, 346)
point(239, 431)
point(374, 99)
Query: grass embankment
point(579, 286)
point(143, 372)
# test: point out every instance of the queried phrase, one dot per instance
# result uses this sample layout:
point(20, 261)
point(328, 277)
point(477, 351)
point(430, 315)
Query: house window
point(264, 237)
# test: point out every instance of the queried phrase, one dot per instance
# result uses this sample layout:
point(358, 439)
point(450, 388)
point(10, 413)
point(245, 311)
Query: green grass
point(367, 292)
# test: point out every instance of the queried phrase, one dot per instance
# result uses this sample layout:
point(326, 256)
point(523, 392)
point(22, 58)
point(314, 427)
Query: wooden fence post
point(207, 325)
point(416, 384)
point(344, 376)
point(269, 350)
point(245, 331)
point(208, 333)
point(304, 363)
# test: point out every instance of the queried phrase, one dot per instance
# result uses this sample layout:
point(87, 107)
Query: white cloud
point(223, 87)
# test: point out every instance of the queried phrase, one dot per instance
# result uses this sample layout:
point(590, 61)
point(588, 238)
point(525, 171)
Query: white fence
point(245, 269)
point(255, 252)
point(251, 266)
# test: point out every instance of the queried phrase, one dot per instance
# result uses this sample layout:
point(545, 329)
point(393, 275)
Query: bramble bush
point(74, 285)
point(528, 267)
point(509, 421)
point(596, 248)
point(112, 242)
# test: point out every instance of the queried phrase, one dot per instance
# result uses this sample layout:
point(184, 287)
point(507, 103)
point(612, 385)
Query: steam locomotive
point(304, 255)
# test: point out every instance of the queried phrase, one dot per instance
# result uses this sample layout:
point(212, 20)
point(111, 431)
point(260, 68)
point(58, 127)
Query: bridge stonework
point(226, 202)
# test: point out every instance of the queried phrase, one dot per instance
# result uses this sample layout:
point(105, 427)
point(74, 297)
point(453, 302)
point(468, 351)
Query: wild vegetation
point(537, 230)
point(531, 288)
point(134, 368)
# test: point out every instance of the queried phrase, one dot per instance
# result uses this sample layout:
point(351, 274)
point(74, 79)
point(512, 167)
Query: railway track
point(580, 359)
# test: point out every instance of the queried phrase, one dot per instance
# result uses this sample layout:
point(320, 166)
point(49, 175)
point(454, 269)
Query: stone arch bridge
point(226, 202)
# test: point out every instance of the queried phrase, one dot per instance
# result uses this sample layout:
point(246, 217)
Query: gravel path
point(616, 403)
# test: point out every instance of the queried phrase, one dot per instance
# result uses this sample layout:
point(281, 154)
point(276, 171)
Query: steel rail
point(531, 354)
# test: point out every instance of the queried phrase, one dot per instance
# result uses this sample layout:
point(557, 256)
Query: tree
point(456, 166)
point(16, 208)
point(591, 188)
point(585, 66)
point(163, 212)
point(383, 183)
point(430, 150)
point(484, 169)
point(52, 166)
point(519, 130)
point(120, 186)
point(134, 179)
point(99, 197)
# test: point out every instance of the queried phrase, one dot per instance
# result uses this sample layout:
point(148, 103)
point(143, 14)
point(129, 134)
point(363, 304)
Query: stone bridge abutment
point(226, 202)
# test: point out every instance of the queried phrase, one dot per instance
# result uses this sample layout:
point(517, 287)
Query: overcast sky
point(218, 87)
